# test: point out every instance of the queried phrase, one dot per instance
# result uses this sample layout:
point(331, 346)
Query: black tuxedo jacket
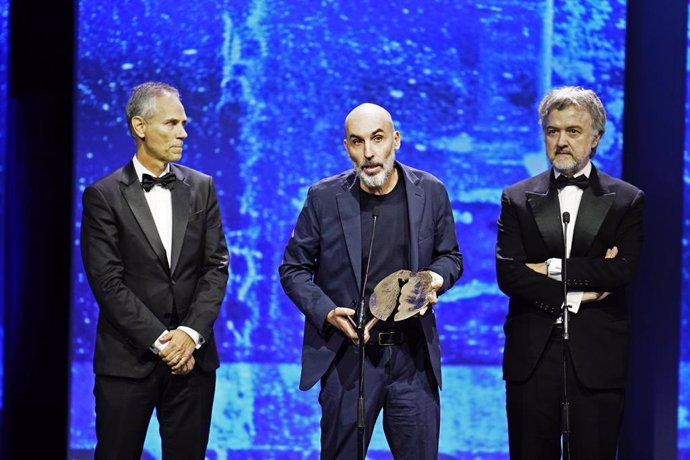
point(530, 231)
point(322, 264)
point(128, 270)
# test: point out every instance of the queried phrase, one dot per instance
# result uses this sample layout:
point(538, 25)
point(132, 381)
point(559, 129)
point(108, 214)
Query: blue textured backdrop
point(684, 365)
point(266, 85)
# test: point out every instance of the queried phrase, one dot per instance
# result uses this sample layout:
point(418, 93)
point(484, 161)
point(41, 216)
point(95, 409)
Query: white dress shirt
point(159, 200)
point(569, 198)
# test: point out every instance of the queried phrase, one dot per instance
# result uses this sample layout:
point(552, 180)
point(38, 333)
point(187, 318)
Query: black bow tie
point(165, 181)
point(581, 181)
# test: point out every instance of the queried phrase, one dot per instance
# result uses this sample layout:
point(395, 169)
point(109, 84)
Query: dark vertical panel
point(653, 160)
point(39, 176)
point(4, 49)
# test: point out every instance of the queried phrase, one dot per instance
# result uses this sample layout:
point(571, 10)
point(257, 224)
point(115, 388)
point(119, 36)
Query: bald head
point(369, 112)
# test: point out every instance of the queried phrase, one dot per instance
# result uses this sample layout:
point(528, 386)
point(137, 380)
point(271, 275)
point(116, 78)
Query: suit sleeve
point(514, 278)
point(210, 287)
point(300, 262)
point(104, 269)
point(446, 257)
point(608, 275)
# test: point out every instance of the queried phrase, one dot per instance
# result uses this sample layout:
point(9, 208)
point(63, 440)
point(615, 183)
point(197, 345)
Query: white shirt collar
point(141, 169)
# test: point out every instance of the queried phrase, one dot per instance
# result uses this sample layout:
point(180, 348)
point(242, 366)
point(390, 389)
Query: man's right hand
point(341, 319)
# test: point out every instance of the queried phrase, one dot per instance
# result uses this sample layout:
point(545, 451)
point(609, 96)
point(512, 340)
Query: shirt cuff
point(574, 301)
point(158, 346)
point(198, 339)
point(553, 268)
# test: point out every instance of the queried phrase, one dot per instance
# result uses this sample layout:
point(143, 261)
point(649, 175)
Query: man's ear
point(595, 141)
point(139, 126)
point(396, 140)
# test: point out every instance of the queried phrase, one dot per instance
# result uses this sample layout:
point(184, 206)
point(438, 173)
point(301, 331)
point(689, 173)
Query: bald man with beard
point(322, 271)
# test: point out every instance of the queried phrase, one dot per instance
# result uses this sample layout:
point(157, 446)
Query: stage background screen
point(266, 85)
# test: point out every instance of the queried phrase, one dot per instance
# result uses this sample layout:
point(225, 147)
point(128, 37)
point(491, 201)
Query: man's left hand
point(588, 297)
point(432, 298)
point(186, 368)
point(178, 350)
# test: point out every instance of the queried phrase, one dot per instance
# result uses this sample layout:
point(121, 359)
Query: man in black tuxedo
point(322, 271)
point(155, 256)
point(604, 243)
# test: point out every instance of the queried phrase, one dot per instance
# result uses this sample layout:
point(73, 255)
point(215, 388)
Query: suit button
point(172, 282)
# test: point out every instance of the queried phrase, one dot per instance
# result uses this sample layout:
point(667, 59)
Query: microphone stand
point(361, 422)
point(565, 404)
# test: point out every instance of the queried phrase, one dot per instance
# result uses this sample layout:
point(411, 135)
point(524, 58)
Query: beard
point(568, 165)
point(378, 180)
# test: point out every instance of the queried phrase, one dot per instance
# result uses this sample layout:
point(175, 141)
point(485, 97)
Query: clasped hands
point(177, 354)
point(342, 317)
point(587, 296)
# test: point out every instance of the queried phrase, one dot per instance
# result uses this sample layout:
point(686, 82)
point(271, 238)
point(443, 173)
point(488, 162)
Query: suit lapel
point(594, 207)
point(349, 212)
point(134, 196)
point(350, 219)
point(180, 215)
point(547, 213)
point(415, 209)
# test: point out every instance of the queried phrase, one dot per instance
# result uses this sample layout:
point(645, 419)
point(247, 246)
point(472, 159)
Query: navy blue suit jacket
point(530, 231)
point(322, 264)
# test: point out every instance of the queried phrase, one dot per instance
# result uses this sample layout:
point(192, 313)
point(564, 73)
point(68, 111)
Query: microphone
point(361, 422)
point(565, 403)
point(564, 276)
point(360, 314)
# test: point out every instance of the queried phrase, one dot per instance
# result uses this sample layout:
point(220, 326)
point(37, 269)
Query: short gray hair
point(142, 98)
point(566, 96)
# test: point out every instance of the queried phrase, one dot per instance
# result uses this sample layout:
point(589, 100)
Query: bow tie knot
point(581, 181)
point(165, 181)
